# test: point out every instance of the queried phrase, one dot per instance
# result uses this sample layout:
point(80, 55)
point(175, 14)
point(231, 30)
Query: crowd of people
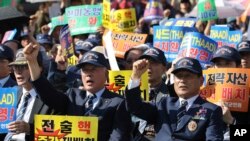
point(36, 63)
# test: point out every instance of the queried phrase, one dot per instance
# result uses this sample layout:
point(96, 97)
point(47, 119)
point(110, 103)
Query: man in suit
point(114, 121)
point(23, 127)
point(158, 88)
point(6, 56)
point(186, 117)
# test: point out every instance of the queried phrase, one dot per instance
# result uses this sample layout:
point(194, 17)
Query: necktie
point(181, 111)
point(23, 106)
point(89, 102)
point(152, 95)
point(21, 113)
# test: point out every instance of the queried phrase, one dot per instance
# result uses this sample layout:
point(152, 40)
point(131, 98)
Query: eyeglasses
point(20, 67)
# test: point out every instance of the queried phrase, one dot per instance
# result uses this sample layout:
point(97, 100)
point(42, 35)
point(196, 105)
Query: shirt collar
point(189, 100)
point(32, 92)
point(98, 94)
point(4, 80)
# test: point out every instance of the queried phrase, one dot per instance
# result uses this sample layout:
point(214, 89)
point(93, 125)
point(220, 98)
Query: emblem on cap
point(151, 51)
point(192, 126)
point(185, 63)
point(90, 57)
point(223, 51)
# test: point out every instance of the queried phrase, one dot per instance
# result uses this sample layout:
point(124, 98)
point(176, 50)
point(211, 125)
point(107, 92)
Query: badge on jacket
point(192, 126)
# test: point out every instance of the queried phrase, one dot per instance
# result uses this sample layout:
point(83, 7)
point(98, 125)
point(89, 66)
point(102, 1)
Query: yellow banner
point(72, 60)
point(106, 14)
point(123, 20)
point(123, 41)
point(118, 80)
point(62, 128)
point(230, 86)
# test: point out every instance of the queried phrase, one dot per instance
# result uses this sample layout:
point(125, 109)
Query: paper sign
point(207, 10)
point(198, 46)
point(53, 127)
point(8, 106)
point(230, 86)
point(118, 80)
point(84, 19)
point(123, 41)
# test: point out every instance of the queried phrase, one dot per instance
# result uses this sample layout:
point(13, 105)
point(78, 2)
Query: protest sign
point(122, 41)
point(198, 46)
point(168, 38)
point(66, 43)
point(8, 106)
point(9, 35)
point(153, 11)
point(223, 36)
point(182, 22)
point(84, 19)
point(57, 21)
point(118, 80)
point(106, 14)
point(230, 85)
point(54, 127)
point(123, 20)
point(207, 10)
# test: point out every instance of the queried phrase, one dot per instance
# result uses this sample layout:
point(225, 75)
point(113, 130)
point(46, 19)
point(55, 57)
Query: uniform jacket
point(114, 121)
point(203, 120)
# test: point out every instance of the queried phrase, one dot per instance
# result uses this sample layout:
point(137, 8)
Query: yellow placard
point(60, 128)
point(230, 86)
point(106, 14)
point(123, 20)
point(122, 41)
point(118, 80)
point(72, 60)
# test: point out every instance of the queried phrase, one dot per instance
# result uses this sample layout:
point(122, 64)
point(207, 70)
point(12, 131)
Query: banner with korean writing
point(198, 46)
point(153, 11)
point(57, 128)
point(168, 39)
point(223, 36)
point(66, 43)
point(207, 10)
point(35, 1)
point(183, 22)
point(122, 41)
point(11, 3)
point(230, 86)
point(118, 80)
point(123, 20)
point(234, 38)
point(8, 104)
point(106, 14)
point(84, 19)
point(57, 21)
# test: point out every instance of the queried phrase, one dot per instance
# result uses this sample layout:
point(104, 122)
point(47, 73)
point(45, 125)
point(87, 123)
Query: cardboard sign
point(223, 36)
point(230, 86)
point(207, 10)
point(198, 46)
point(122, 41)
point(8, 107)
point(53, 127)
point(118, 80)
point(153, 11)
point(123, 20)
point(169, 38)
point(84, 19)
